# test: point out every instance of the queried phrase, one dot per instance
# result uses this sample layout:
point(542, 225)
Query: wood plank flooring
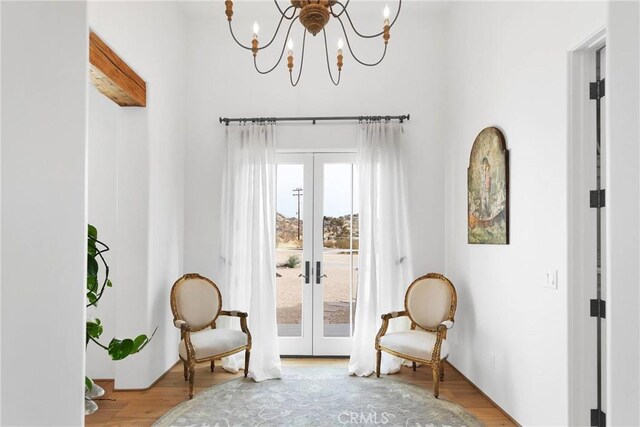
point(139, 408)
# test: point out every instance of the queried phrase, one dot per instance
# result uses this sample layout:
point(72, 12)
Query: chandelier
point(314, 16)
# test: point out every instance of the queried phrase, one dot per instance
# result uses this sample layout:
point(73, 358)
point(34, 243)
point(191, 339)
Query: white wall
point(623, 211)
point(149, 162)
point(223, 82)
point(507, 67)
point(102, 183)
point(44, 82)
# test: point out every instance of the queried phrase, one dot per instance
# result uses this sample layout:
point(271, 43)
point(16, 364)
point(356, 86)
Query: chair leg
point(185, 368)
point(247, 356)
point(378, 361)
point(413, 364)
point(213, 365)
point(441, 370)
point(191, 381)
point(436, 379)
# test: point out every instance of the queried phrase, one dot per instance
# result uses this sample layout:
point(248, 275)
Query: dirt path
point(339, 286)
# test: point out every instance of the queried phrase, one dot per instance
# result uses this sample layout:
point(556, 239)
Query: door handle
point(306, 274)
point(319, 274)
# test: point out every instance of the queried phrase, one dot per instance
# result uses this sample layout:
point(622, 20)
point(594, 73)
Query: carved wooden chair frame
point(441, 333)
point(186, 330)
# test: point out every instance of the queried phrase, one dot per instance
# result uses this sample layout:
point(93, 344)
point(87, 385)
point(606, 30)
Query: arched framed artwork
point(488, 189)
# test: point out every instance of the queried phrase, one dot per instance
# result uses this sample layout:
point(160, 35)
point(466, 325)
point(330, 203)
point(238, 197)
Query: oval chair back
point(430, 300)
point(196, 300)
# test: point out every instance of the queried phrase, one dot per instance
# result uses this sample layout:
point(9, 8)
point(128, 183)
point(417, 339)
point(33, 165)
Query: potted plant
point(118, 349)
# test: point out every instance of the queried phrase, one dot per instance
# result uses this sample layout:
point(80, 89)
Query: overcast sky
point(337, 189)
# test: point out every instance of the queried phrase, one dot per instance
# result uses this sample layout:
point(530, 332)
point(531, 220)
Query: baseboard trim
point(291, 356)
point(153, 384)
point(506, 414)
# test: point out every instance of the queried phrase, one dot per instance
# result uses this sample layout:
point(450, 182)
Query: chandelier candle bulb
point(256, 29)
point(290, 47)
point(386, 13)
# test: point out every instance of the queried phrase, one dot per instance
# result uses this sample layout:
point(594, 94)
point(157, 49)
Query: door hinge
point(598, 418)
point(596, 198)
point(598, 308)
point(596, 89)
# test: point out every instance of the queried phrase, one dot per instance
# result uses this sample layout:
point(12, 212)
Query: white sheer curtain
point(384, 261)
point(248, 243)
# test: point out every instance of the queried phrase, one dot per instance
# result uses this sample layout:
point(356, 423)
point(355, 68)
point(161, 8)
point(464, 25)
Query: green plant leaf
point(88, 383)
point(94, 328)
point(118, 350)
point(92, 283)
point(92, 297)
point(109, 283)
point(92, 266)
point(138, 343)
point(92, 231)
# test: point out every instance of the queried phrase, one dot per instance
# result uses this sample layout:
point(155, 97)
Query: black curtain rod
point(227, 120)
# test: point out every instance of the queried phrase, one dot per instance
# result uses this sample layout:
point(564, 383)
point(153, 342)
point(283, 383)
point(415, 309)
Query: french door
point(316, 252)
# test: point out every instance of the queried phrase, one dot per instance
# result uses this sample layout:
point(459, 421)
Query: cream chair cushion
point(428, 301)
point(211, 342)
point(414, 344)
point(198, 302)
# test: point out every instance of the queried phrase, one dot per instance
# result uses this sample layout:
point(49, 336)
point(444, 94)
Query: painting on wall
point(488, 189)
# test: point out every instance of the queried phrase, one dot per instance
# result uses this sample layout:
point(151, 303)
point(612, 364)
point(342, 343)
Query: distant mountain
point(287, 230)
point(336, 230)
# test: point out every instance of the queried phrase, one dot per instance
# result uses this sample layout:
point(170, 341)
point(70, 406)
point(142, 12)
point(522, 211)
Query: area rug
point(317, 396)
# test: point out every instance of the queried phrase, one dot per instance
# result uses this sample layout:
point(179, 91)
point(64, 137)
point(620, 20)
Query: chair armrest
point(385, 323)
point(181, 324)
point(243, 321)
point(233, 313)
point(447, 324)
point(393, 315)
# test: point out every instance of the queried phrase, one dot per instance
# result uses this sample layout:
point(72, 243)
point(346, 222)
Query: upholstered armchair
point(430, 303)
point(196, 304)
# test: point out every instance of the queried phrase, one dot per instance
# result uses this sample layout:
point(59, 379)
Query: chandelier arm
point(235, 39)
point(304, 39)
point(282, 17)
point(344, 7)
point(279, 9)
point(326, 51)
point(286, 10)
point(278, 27)
point(284, 45)
point(365, 36)
point(346, 37)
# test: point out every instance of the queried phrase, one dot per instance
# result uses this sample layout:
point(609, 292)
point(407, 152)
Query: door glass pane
point(340, 249)
point(289, 257)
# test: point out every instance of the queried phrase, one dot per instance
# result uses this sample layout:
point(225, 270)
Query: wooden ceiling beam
point(113, 77)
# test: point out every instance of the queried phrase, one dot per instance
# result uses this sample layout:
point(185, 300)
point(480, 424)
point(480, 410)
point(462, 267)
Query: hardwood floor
point(124, 408)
